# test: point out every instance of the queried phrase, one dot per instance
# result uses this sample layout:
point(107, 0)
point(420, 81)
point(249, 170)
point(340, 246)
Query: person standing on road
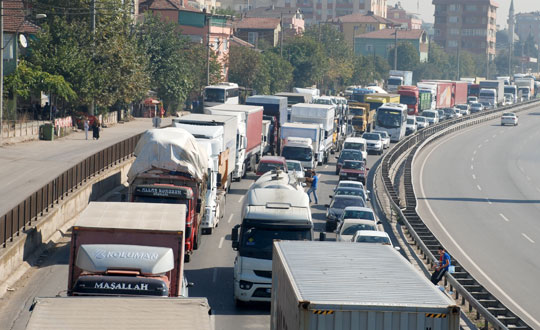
point(442, 266)
point(313, 189)
point(95, 129)
point(86, 127)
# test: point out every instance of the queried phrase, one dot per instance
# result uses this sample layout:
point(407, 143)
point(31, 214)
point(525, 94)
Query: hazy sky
point(427, 9)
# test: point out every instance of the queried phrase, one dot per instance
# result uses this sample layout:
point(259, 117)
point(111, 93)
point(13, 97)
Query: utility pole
point(395, 49)
point(281, 39)
point(1, 70)
point(207, 50)
point(93, 10)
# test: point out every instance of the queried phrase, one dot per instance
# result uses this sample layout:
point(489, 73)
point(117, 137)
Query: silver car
point(422, 122)
point(385, 138)
point(296, 167)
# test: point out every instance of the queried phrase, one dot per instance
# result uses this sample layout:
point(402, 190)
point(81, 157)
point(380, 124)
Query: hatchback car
point(374, 142)
point(476, 107)
point(421, 122)
point(358, 212)
point(509, 118)
point(412, 126)
point(472, 99)
point(349, 227)
point(370, 236)
point(296, 167)
point(385, 138)
point(451, 113)
point(353, 170)
point(348, 154)
point(269, 163)
point(336, 207)
point(347, 191)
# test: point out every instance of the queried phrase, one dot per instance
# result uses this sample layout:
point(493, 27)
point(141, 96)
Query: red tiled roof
point(162, 4)
point(361, 18)
point(14, 20)
point(389, 34)
point(258, 23)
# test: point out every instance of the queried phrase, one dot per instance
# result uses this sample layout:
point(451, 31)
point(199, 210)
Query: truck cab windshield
point(406, 99)
point(214, 95)
point(302, 154)
point(394, 81)
point(256, 240)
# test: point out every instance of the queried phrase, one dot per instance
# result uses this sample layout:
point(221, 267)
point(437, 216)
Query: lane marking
point(486, 141)
point(214, 275)
point(474, 152)
point(527, 237)
point(505, 218)
point(528, 178)
point(230, 218)
point(479, 188)
point(487, 199)
point(479, 146)
point(325, 166)
point(474, 177)
point(221, 240)
point(241, 199)
point(472, 167)
point(458, 247)
point(538, 189)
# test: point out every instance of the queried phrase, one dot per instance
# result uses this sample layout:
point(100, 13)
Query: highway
point(479, 192)
point(210, 270)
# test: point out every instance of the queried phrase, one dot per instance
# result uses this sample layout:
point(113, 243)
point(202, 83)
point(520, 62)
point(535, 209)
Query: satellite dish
point(22, 40)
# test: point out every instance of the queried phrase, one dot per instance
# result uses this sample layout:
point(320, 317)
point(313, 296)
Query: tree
point(245, 68)
point(408, 56)
point(280, 72)
point(307, 59)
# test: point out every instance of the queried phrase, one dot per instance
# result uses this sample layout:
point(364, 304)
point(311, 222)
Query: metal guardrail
point(16, 221)
point(461, 282)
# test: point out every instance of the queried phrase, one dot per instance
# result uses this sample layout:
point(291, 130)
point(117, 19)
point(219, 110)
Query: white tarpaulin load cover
point(171, 148)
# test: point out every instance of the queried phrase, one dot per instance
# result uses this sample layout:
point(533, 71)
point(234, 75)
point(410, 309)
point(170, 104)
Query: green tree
point(307, 59)
point(246, 68)
point(280, 72)
point(408, 57)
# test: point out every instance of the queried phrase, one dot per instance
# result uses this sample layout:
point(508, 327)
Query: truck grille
point(263, 273)
point(262, 293)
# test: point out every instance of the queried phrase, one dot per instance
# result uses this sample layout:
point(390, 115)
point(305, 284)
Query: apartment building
point(356, 24)
point(402, 18)
point(528, 24)
point(466, 25)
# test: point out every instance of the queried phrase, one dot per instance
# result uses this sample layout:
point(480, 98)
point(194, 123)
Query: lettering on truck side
point(102, 254)
point(121, 286)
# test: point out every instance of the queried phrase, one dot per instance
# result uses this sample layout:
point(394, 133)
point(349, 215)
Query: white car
point(385, 138)
point(432, 116)
point(349, 227)
point(374, 143)
point(509, 118)
point(421, 122)
point(411, 127)
point(296, 167)
point(358, 212)
point(356, 143)
point(370, 236)
point(464, 109)
point(349, 184)
point(472, 99)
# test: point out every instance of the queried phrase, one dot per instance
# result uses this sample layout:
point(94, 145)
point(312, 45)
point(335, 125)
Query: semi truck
point(362, 117)
point(275, 207)
point(409, 95)
point(292, 99)
point(171, 167)
point(526, 86)
point(497, 85)
point(128, 249)
point(309, 154)
point(322, 114)
point(443, 93)
point(89, 313)
point(230, 132)
point(250, 130)
point(350, 286)
point(398, 78)
point(512, 89)
point(211, 138)
point(274, 108)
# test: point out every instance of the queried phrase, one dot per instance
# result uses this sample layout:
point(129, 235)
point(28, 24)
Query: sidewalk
point(25, 167)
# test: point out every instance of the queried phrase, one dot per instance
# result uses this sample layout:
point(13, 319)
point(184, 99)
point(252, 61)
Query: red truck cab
point(409, 96)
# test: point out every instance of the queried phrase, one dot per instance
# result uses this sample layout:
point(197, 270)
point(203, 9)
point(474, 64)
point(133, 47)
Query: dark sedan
point(336, 207)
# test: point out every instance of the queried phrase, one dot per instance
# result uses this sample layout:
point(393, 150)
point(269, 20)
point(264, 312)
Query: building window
point(453, 19)
point(452, 43)
point(370, 28)
point(252, 38)
point(454, 32)
point(369, 48)
point(470, 7)
point(8, 47)
point(437, 32)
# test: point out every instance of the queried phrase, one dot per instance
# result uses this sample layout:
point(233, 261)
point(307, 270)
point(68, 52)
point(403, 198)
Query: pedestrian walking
point(313, 189)
point(442, 266)
point(86, 127)
point(95, 129)
point(47, 111)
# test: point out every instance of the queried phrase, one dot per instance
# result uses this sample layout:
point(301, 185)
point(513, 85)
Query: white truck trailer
point(297, 130)
point(350, 286)
point(250, 134)
point(322, 114)
point(89, 313)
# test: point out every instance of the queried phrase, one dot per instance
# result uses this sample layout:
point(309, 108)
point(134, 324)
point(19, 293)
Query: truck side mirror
point(199, 204)
point(234, 237)
point(219, 178)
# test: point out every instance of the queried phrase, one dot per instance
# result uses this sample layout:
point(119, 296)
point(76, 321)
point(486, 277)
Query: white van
point(432, 116)
point(356, 143)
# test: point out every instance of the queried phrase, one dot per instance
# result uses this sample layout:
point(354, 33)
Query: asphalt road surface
point(210, 269)
point(479, 191)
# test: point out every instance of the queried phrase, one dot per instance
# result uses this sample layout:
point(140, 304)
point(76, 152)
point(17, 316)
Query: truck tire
point(197, 240)
point(187, 257)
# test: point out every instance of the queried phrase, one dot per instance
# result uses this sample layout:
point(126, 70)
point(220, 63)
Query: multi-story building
point(403, 19)
point(383, 41)
point(292, 21)
point(258, 31)
point(466, 25)
point(356, 24)
point(528, 24)
point(322, 10)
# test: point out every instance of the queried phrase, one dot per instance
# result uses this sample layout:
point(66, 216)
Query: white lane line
point(472, 159)
point(214, 276)
point(474, 152)
point(527, 237)
point(472, 167)
point(241, 199)
point(479, 188)
point(487, 199)
point(504, 218)
point(474, 177)
point(486, 140)
point(230, 218)
point(221, 240)
point(528, 178)
point(325, 166)
point(479, 146)
point(458, 247)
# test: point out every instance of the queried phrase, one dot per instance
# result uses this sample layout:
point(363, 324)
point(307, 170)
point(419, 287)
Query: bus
point(222, 93)
point(392, 118)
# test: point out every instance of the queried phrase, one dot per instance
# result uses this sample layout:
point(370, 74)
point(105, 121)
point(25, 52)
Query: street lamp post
point(395, 49)
point(1, 69)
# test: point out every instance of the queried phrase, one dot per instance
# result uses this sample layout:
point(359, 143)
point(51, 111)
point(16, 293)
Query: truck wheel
point(244, 172)
point(207, 231)
point(197, 240)
point(187, 257)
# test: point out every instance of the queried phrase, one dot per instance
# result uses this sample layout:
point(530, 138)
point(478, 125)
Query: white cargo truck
point(275, 207)
point(89, 313)
point(300, 153)
point(350, 286)
point(322, 114)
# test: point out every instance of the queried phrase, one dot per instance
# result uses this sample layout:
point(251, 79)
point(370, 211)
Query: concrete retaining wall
point(22, 253)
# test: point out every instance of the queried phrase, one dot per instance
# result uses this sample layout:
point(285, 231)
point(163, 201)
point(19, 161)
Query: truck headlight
point(245, 285)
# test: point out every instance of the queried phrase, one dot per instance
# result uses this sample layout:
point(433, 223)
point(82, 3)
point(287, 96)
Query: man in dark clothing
point(442, 266)
point(95, 129)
